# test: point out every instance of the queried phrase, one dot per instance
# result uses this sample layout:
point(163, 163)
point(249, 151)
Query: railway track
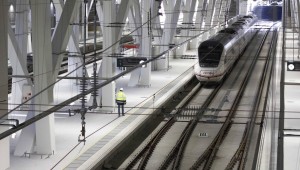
point(190, 109)
point(211, 152)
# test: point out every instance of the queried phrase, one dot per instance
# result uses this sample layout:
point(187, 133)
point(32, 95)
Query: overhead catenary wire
point(110, 47)
point(47, 112)
point(72, 72)
point(55, 108)
point(81, 137)
point(99, 22)
point(107, 106)
point(160, 108)
point(78, 67)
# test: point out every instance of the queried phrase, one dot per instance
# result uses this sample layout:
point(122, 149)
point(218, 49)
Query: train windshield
point(209, 54)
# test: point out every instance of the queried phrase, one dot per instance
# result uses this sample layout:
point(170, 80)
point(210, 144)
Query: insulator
point(83, 83)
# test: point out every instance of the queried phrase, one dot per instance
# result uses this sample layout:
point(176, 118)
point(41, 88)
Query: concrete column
point(42, 66)
point(107, 68)
point(22, 13)
point(237, 7)
point(41, 82)
point(146, 47)
point(224, 8)
point(4, 143)
point(135, 17)
point(62, 34)
point(156, 24)
point(82, 18)
point(4, 148)
point(207, 10)
point(23, 89)
point(209, 14)
point(172, 16)
point(58, 8)
point(122, 14)
point(21, 32)
point(216, 15)
point(293, 14)
point(110, 36)
point(100, 14)
point(243, 7)
point(187, 23)
point(73, 44)
point(29, 43)
point(297, 24)
point(295, 6)
point(199, 20)
point(142, 76)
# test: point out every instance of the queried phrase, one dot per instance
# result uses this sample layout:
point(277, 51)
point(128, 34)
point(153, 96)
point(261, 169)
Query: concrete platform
point(104, 130)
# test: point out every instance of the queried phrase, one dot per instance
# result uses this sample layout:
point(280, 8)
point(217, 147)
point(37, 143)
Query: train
point(271, 12)
point(217, 54)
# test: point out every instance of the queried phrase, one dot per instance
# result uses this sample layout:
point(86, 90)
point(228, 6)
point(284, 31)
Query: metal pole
point(81, 137)
point(94, 94)
point(280, 148)
point(72, 99)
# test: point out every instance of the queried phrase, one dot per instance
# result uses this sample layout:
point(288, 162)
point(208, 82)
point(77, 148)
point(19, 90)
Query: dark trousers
point(121, 106)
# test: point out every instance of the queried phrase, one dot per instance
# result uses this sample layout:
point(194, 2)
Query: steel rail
point(151, 144)
point(234, 107)
point(259, 94)
point(172, 154)
point(178, 145)
point(175, 154)
point(74, 98)
point(237, 154)
point(231, 113)
point(146, 152)
point(178, 158)
point(205, 154)
point(265, 101)
point(280, 146)
point(186, 100)
point(240, 153)
point(250, 125)
point(209, 150)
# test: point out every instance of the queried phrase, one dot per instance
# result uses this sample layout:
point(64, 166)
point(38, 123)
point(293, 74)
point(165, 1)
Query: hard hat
point(121, 89)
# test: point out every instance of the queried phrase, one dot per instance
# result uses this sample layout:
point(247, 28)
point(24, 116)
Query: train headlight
point(291, 66)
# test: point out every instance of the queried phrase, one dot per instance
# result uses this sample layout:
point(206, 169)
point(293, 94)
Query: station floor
point(98, 123)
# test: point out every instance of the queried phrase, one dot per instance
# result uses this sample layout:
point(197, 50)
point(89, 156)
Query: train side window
point(232, 53)
point(229, 55)
point(243, 41)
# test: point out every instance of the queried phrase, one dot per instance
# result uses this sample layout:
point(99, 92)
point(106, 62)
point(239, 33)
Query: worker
point(121, 100)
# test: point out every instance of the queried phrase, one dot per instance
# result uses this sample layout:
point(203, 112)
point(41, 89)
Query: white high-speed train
point(217, 54)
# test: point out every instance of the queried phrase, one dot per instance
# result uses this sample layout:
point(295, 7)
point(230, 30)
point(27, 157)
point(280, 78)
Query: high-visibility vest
point(121, 96)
